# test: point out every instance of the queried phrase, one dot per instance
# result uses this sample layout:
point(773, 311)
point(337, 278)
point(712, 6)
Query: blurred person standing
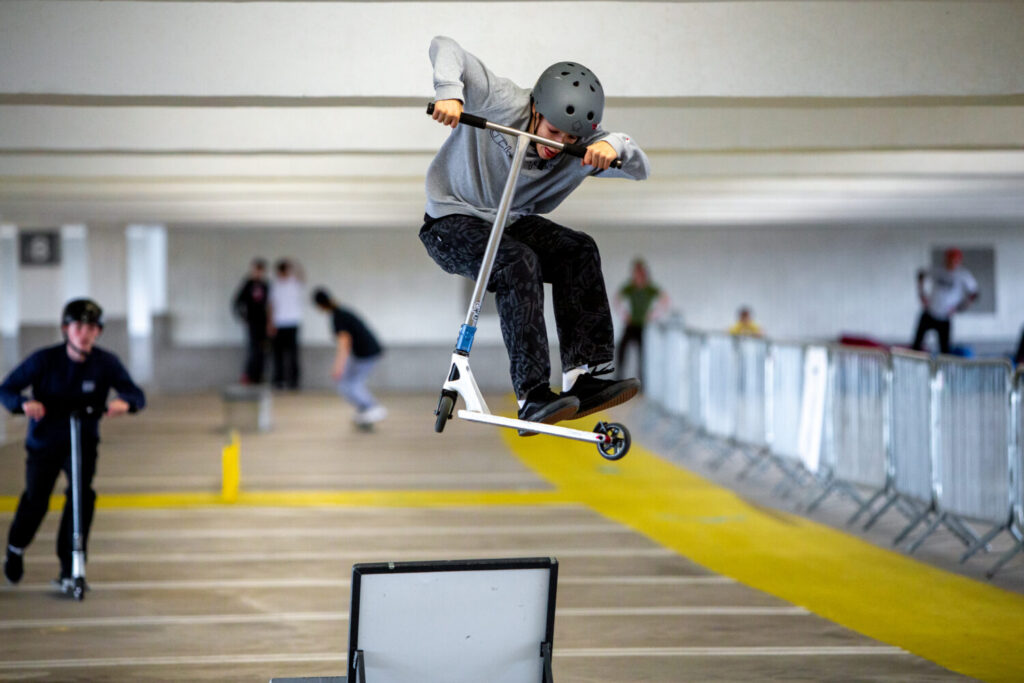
point(357, 353)
point(951, 290)
point(74, 376)
point(250, 305)
point(745, 325)
point(287, 296)
point(638, 301)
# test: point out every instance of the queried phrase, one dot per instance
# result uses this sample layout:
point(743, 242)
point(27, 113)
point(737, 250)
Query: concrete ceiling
point(311, 113)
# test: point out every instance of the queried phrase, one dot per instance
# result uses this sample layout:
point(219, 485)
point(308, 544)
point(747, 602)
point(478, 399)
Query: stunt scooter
point(77, 536)
point(611, 438)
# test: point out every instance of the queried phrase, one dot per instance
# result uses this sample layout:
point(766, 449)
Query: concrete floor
point(184, 589)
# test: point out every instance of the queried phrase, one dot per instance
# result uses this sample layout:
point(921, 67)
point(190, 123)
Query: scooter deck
point(539, 427)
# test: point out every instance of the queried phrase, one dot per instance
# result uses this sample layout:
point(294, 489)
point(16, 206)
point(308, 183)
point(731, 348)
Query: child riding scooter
point(562, 113)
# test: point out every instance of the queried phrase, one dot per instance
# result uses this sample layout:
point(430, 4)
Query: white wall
point(819, 282)
point(383, 274)
point(802, 282)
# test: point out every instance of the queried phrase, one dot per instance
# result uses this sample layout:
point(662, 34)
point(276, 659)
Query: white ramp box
point(247, 408)
point(450, 621)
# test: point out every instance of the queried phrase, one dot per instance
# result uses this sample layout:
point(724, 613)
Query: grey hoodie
point(469, 172)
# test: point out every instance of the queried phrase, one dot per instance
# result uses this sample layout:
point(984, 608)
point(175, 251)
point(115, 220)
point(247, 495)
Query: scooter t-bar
point(570, 148)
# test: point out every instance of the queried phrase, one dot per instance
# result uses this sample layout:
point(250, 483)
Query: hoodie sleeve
point(635, 164)
point(17, 381)
point(125, 387)
point(460, 75)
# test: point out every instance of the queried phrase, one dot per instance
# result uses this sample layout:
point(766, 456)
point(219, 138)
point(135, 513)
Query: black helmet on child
point(82, 311)
point(569, 95)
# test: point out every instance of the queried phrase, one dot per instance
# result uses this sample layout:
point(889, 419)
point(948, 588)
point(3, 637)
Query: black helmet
point(82, 311)
point(569, 95)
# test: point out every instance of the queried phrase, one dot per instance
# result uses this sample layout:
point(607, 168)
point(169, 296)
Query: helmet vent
point(570, 110)
point(575, 84)
point(590, 116)
point(565, 73)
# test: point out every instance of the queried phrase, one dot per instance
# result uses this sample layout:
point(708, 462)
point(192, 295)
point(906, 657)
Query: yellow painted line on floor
point(368, 498)
point(961, 624)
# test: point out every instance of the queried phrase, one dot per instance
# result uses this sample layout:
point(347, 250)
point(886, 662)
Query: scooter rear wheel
point(618, 442)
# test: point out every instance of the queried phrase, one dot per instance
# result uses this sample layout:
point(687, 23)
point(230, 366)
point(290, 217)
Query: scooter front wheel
point(444, 411)
point(78, 591)
point(617, 441)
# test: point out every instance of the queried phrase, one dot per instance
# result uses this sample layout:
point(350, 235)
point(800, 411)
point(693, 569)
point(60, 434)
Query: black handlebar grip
point(468, 119)
point(576, 150)
point(472, 120)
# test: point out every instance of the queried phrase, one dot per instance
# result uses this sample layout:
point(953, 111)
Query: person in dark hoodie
point(74, 376)
point(250, 305)
point(464, 184)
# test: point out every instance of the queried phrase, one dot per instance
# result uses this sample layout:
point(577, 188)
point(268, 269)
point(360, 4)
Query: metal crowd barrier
point(718, 385)
point(676, 372)
point(751, 427)
point(653, 373)
point(1017, 468)
point(972, 446)
point(695, 363)
point(940, 440)
point(856, 452)
point(910, 450)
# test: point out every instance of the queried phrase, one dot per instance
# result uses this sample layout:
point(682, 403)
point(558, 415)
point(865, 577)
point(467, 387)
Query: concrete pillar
point(157, 256)
point(10, 315)
point(139, 298)
point(74, 248)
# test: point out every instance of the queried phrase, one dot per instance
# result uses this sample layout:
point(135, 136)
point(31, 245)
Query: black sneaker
point(14, 566)
point(544, 405)
point(598, 394)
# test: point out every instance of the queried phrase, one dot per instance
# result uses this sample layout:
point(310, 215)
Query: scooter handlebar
point(570, 148)
point(468, 119)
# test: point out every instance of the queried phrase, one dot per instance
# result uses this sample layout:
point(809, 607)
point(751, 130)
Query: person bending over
point(357, 353)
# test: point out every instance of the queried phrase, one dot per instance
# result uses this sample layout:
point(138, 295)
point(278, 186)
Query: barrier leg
point(881, 511)
point(1008, 555)
point(907, 508)
point(757, 464)
point(961, 531)
point(927, 532)
point(866, 505)
point(923, 515)
point(983, 541)
point(835, 485)
point(725, 452)
point(829, 488)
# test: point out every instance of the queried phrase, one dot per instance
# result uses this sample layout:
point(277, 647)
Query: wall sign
point(40, 248)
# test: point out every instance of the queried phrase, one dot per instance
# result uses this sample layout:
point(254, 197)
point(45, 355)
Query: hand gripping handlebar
point(569, 148)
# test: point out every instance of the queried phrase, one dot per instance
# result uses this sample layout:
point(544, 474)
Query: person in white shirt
point(287, 295)
point(952, 289)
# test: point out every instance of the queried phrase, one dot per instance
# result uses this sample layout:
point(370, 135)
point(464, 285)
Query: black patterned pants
point(533, 251)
